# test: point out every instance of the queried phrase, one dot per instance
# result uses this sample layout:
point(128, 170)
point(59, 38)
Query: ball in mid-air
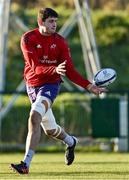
point(104, 77)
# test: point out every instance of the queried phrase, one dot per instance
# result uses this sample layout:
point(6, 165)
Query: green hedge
point(76, 118)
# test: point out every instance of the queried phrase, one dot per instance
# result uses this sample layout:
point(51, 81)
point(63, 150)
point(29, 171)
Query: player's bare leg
point(70, 141)
point(33, 138)
point(55, 131)
point(33, 131)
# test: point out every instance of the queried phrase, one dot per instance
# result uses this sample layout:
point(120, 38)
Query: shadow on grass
point(102, 163)
point(67, 174)
point(76, 163)
point(82, 173)
point(82, 163)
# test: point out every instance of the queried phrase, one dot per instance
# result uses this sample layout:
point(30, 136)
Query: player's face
point(50, 24)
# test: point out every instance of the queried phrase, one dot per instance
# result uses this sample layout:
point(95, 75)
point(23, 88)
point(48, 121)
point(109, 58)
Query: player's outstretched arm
point(95, 89)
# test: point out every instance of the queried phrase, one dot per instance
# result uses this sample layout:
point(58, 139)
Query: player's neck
point(43, 31)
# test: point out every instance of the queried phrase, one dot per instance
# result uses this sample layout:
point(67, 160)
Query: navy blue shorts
point(48, 90)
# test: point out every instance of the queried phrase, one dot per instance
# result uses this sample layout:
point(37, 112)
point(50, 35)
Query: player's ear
point(40, 22)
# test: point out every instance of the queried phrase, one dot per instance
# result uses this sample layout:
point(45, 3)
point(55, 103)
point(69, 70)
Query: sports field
point(93, 166)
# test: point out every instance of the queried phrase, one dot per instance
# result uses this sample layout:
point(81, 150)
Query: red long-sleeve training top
point(42, 54)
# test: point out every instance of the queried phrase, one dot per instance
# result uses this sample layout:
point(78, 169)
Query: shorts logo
point(48, 93)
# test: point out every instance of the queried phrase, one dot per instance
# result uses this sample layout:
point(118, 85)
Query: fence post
point(128, 119)
point(123, 124)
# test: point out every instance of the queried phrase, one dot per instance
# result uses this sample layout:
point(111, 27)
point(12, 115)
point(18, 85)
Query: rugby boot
point(69, 154)
point(20, 168)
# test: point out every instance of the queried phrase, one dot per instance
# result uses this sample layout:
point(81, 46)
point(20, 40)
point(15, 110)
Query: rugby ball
point(104, 77)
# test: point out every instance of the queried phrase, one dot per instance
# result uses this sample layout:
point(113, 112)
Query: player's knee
point(50, 132)
point(41, 105)
point(54, 132)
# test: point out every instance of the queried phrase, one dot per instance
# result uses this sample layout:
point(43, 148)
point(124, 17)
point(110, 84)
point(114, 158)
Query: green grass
point(95, 166)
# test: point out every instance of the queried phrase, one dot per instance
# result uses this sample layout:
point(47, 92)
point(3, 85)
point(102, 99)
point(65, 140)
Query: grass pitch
point(89, 166)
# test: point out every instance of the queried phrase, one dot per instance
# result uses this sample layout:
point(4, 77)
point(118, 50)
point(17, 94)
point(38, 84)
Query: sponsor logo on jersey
point(47, 61)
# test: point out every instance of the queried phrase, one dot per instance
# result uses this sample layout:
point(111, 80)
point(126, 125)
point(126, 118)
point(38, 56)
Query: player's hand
point(95, 89)
point(60, 69)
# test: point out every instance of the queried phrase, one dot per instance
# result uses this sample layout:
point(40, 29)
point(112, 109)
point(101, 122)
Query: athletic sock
point(69, 140)
point(28, 157)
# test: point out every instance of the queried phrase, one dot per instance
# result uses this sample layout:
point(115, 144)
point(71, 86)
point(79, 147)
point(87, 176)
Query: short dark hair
point(47, 12)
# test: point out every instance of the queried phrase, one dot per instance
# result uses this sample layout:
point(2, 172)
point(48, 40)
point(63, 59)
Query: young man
point(47, 58)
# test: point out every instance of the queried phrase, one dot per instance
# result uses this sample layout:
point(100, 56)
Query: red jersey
point(42, 54)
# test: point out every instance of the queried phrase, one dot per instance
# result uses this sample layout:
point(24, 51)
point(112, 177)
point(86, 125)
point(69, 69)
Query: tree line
point(94, 4)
